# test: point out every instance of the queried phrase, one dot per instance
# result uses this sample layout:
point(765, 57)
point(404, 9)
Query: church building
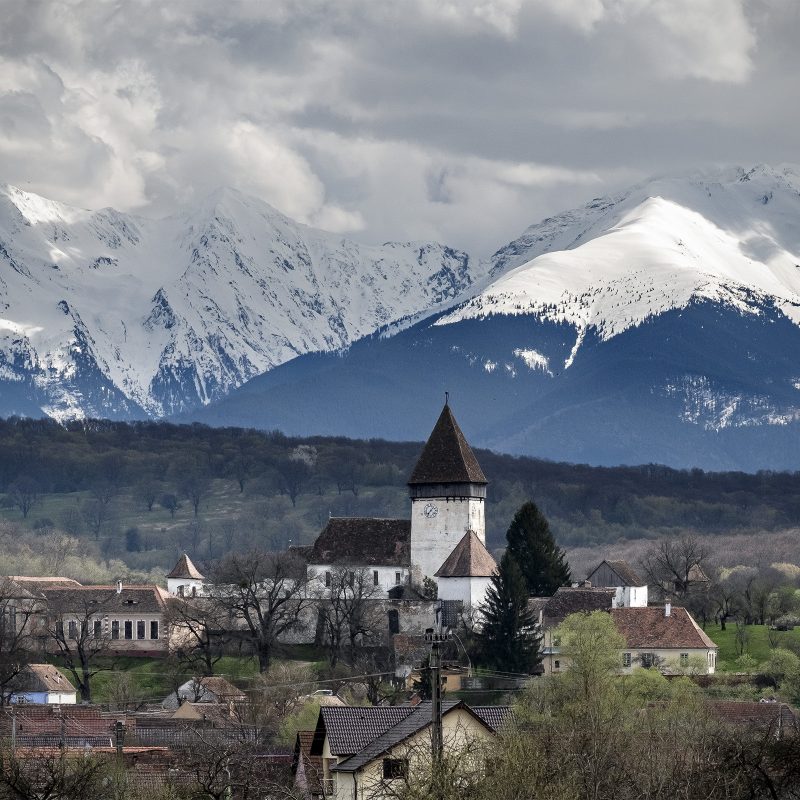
point(444, 541)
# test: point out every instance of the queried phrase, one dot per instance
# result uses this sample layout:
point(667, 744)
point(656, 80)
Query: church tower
point(448, 494)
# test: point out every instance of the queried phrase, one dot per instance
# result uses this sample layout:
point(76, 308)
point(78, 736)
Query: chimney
point(119, 587)
point(667, 609)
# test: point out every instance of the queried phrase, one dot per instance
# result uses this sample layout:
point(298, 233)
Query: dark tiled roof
point(141, 599)
point(777, 717)
point(41, 678)
point(624, 570)
point(407, 727)
point(469, 559)
point(568, 601)
point(496, 717)
point(351, 729)
point(652, 628)
point(363, 540)
point(185, 569)
point(447, 457)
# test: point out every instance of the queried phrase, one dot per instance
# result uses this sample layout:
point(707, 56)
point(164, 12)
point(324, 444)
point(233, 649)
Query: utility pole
point(435, 638)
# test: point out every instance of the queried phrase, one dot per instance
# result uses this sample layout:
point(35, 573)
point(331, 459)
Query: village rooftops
point(367, 541)
point(351, 728)
point(623, 570)
point(568, 600)
point(469, 559)
point(107, 599)
point(41, 678)
point(653, 628)
point(447, 458)
point(185, 569)
point(418, 720)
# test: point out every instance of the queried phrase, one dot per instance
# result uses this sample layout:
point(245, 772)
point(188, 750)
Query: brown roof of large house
point(568, 600)
point(469, 559)
point(777, 717)
point(41, 678)
point(652, 628)
point(185, 569)
point(623, 569)
point(363, 540)
point(447, 457)
point(141, 599)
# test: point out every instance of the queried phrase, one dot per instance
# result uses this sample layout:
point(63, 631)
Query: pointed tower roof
point(447, 457)
point(469, 559)
point(185, 569)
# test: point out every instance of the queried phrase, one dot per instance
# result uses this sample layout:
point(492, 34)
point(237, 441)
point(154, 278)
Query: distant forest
point(142, 492)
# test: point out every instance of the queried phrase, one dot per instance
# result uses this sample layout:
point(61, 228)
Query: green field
point(757, 644)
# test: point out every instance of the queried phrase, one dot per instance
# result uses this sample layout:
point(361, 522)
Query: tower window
point(375, 578)
point(328, 579)
point(397, 578)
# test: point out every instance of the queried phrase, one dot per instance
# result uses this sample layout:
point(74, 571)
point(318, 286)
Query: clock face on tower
point(430, 510)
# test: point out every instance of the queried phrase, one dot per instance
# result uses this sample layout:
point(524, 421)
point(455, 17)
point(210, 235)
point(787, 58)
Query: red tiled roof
point(652, 628)
point(363, 540)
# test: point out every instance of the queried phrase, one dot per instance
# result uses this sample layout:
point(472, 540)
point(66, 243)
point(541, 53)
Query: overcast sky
point(457, 120)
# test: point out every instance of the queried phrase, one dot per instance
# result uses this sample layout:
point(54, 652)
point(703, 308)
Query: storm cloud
point(456, 120)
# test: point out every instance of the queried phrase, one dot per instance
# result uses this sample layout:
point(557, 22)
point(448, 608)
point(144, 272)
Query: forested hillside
point(133, 496)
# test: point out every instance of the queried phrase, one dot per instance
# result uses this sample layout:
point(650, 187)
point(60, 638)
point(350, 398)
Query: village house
point(207, 689)
point(631, 590)
point(370, 752)
point(666, 638)
point(41, 684)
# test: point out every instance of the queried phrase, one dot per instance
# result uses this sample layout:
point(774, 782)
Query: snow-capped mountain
point(109, 314)
point(662, 324)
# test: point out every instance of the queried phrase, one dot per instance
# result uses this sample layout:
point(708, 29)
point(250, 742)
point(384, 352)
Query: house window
point(397, 578)
point(684, 659)
point(626, 659)
point(375, 579)
point(556, 664)
point(73, 629)
point(328, 579)
point(154, 629)
point(98, 629)
point(395, 768)
point(180, 591)
point(394, 621)
point(140, 629)
point(128, 629)
point(115, 629)
point(647, 660)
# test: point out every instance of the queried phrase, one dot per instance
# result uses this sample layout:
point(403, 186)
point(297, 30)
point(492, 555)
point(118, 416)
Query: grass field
point(757, 643)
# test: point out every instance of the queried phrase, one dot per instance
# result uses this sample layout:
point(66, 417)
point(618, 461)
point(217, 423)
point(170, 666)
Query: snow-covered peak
point(726, 234)
point(178, 311)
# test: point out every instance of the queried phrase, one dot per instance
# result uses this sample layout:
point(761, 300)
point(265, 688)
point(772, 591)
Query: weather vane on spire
point(447, 398)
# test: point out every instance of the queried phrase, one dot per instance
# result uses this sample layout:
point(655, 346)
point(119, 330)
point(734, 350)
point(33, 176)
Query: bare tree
point(195, 485)
point(293, 473)
point(265, 593)
point(676, 565)
point(24, 493)
point(200, 632)
point(17, 609)
point(347, 610)
point(46, 775)
point(76, 628)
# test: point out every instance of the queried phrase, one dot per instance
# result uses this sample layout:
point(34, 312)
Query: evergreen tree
point(509, 637)
point(541, 560)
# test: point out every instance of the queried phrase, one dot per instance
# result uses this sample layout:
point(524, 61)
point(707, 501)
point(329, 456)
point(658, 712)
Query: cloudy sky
point(457, 120)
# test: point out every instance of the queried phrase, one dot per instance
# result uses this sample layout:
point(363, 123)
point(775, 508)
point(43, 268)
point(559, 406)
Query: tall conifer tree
point(541, 560)
point(509, 637)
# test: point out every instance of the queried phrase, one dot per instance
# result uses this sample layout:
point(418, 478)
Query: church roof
point(185, 569)
point(469, 559)
point(447, 457)
point(363, 540)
